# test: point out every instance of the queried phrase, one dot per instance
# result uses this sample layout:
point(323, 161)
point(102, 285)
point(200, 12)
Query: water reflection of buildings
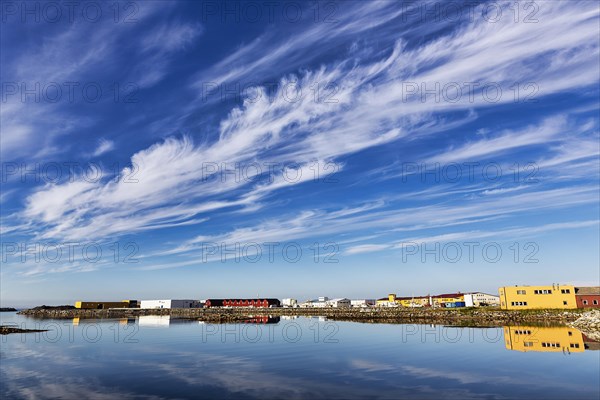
point(122, 321)
point(251, 319)
point(261, 319)
point(590, 344)
point(161, 320)
point(154, 320)
point(547, 339)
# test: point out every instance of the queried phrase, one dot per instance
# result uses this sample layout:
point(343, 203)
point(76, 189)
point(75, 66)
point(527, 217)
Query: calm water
point(159, 358)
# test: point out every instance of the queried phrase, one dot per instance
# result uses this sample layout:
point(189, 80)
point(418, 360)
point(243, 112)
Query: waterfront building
point(390, 301)
point(479, 299)
point(543, 339)
point(384, 302)
point(323, 302)
point(103, 305)
point(315, 303)
point(339, 303)
point(393, 301)
point(587, 297)
point(362, 303)
point(242, 303)
point(473, 299)
point(154, 304)
point(289, 303)
point(528, 297)
point(448, 300)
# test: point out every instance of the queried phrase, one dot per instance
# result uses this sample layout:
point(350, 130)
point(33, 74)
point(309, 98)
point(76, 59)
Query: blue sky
point(335, 148)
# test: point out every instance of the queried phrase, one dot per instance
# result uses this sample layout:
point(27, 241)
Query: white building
point(362, 303)
point(313, 304)
point(339, 303)
point(316, 303)
point(323, 302)
point(170, 304)
point(289, 303)
point(481, 299)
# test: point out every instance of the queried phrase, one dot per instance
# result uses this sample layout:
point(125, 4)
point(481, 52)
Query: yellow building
point(420, 301)
point(393, 301)
point(441, 299)
point(389, 301)
point(527, 297)
point(99, 305)
point(546, 339)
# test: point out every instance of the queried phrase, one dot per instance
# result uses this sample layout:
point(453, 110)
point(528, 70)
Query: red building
point(242, 303)
point(587, 297)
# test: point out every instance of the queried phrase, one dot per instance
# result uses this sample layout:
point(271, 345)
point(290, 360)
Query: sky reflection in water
point(158, 357)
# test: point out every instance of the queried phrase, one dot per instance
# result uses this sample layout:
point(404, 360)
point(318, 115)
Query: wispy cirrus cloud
point(370, 104)
point(104, 146)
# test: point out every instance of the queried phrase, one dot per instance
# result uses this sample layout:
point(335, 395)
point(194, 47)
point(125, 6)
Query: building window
point(528, 344)
point(518, 303)
point(570, 333)
point(564, 303)
point(522, 332)
point(595, 302)
point(585, 302)
point(521, 292)
point(565, 291)
point(553, 345)
point(574, 345)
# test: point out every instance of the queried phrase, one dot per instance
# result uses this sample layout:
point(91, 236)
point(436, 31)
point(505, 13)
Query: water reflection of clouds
point(232, 376)
point(24, 383)
point(243, 376)
point(49, 370)
point(460, 376)
point(248, 380)
point(365, 369)
point(61, 376)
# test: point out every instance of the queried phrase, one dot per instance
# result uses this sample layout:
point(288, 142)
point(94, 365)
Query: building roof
point(165, 300)
point(587, 290)
point(487, 294)
point(448, 295)
point(236, 299)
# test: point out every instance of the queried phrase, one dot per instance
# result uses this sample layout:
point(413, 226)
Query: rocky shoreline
point(589, 324)
point(462, 317)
